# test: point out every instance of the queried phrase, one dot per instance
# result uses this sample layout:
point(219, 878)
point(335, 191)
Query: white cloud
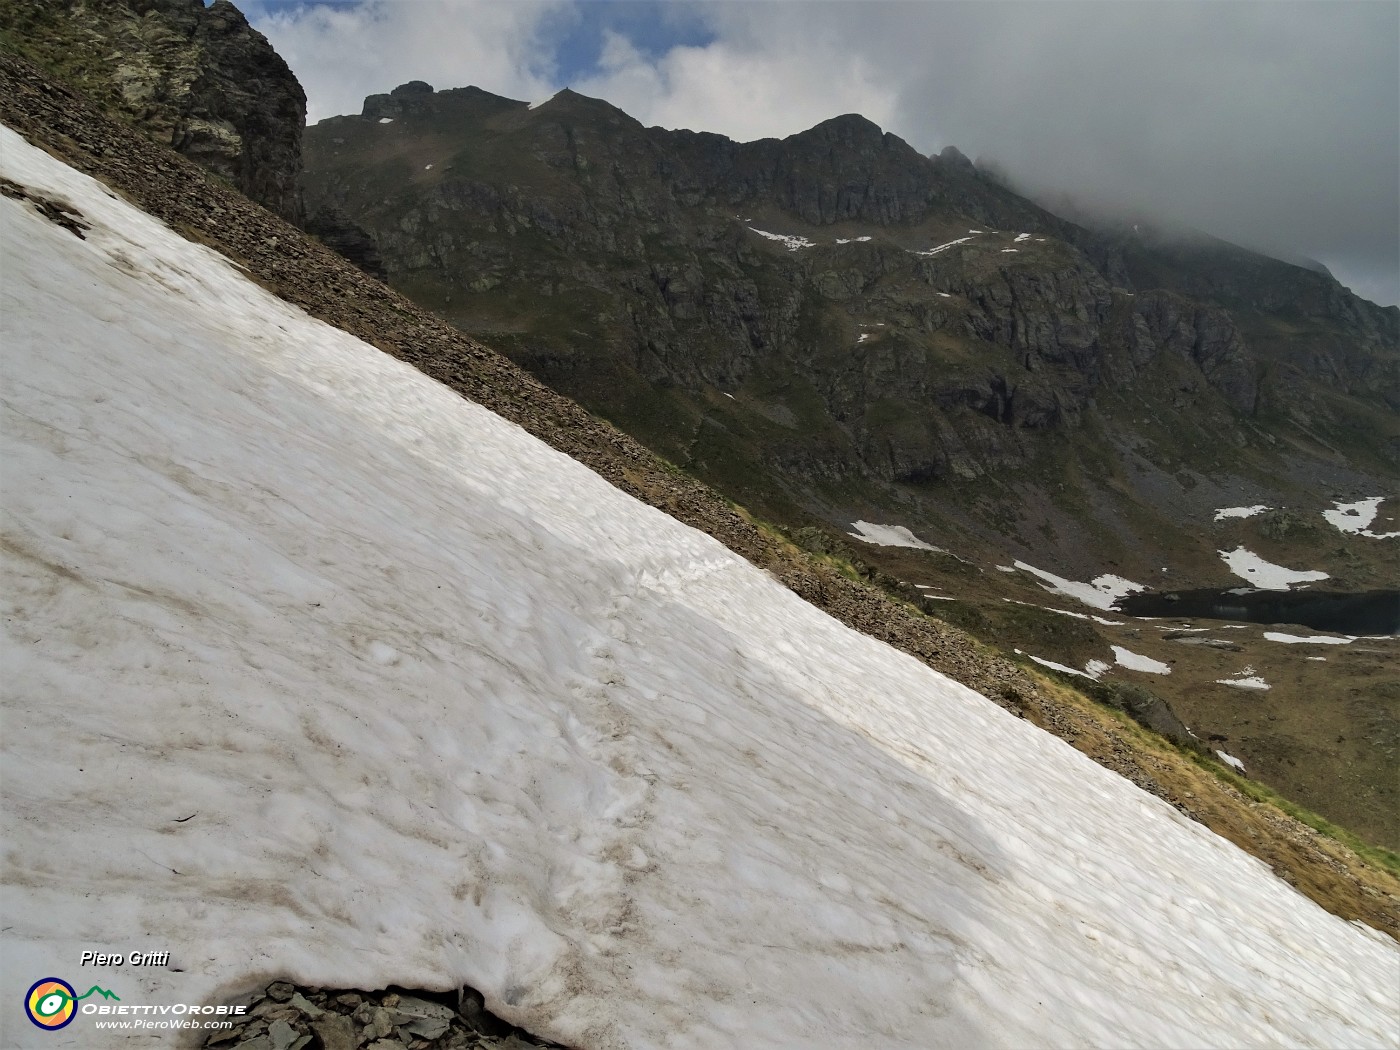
point(739, 89)
point(342, 54)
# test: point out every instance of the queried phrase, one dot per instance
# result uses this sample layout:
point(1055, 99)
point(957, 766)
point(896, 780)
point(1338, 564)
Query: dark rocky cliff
point(199, 79)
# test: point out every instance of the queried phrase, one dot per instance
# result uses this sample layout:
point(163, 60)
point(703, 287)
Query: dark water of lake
point(1368, 612)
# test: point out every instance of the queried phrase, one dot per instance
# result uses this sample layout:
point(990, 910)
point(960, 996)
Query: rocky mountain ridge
point(199, 79)
point(835, 325)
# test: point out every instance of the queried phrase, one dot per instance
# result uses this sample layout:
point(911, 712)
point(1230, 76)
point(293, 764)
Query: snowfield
point(314, 669)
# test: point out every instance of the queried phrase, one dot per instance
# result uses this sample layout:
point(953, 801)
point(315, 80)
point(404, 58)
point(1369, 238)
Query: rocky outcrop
point(199, 79)
point(288, 1017)
point(333, 229)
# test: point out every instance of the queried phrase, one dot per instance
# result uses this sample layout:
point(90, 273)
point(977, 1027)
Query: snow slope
point(442, 706)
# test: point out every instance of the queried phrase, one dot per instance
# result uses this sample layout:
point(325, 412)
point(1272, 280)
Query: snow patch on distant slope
point(939, 249)
point(1230, 760)
point(1356, 518)
point(1245, 679)
point(1101, 592)
point(1137, 662)
point(1062, 612)
point(1239, 512)
point(890, 536)
point(1265, 574)
point(1056, 666)
point(1313, 639)
point(791, 241)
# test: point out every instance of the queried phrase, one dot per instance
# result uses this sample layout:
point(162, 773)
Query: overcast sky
point(1274, 124)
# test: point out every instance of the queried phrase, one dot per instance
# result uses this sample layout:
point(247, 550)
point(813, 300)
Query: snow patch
point(1265, 575)
point(791, 241)
point(1356, 518)
point(1246, 679)
point(386, 120)
point(890, 536)
point(1096, 668)
point(1063, 612)
point(1100, 593)
point(1313, 639)
point(1057, 667)
point(1021, 237)
point(1137, 662)
point(943, 247)
point(1240, 512)
point(1230, 760)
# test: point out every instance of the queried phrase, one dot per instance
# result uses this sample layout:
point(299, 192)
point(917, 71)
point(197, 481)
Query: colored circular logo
point(51, 1003)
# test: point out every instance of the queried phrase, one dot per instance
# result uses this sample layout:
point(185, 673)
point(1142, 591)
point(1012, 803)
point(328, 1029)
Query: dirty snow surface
point(314, 669)
point(889, 536)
